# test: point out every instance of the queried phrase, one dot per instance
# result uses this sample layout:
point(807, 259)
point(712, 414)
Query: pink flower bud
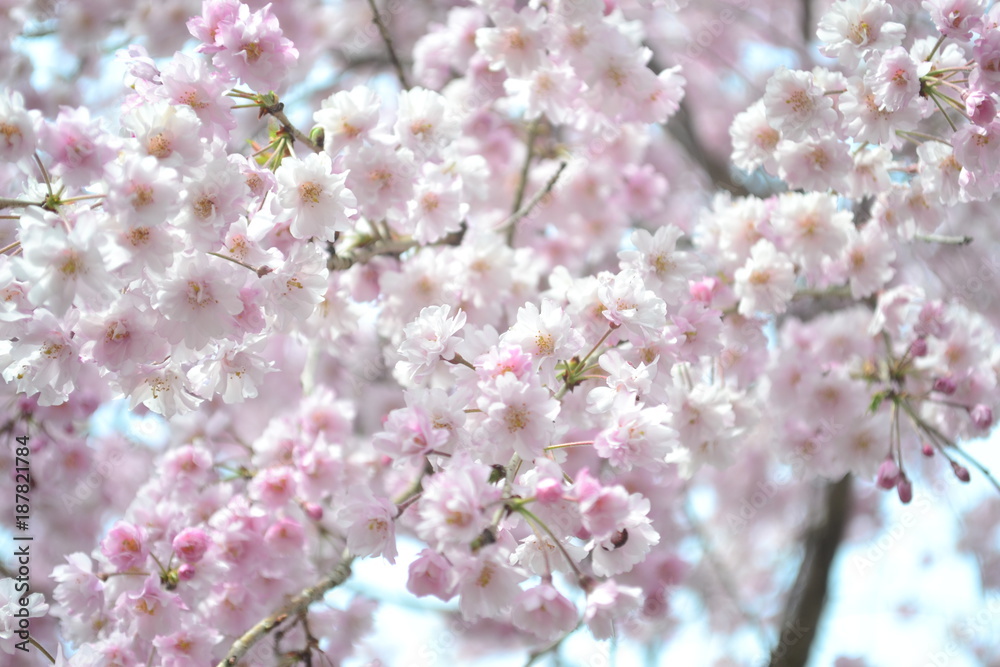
point(186, 572)
point(919, 347)
point(981, 416)
point(904, 489)
point(927, 450)
point(191, 544)
point(979, 107)
point(549, 491)
point(888, 474)
point(945, 385)
point(702, 290)
point(960, 471)
point(313, 511)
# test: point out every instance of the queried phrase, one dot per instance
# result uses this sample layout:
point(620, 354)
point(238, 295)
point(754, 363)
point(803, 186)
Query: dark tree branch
point(807, 598)
point(387, 38)
point(807, 22)
point(681, 128)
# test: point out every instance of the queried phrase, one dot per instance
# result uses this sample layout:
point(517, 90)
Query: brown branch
point(807, 598)
point(362, 255)
point(508, 224)
point(387, 38)
point(18, 203)
point(681, 128)
point(297, 605)
point(806, 22)
point(277, 110)
point(526, 167)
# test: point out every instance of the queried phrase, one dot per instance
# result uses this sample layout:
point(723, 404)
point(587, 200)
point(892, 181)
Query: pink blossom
point(253, 48)
point(13, 597)
point(79, 145)
point(486, 587)
point(796, 105)
point(191, 544)
point(18, 134)
point(515, 43)
point(381, 180)
point(430, 575)
point(896, 81)
point(198, 300)
point(409, 433)
point(868, 260)
point(347, 117)
point(193, 645)
point(982, 416)
point(605, 603)
point(370, 527)
point(980, 107)
point(125, 546)
point(766, 282)
point(285, 537)
point(518, 414)
point(955, 18)
point(63, 267)
point(321, 203)
point(851, 29)
point(428, 340)
point(544, 612)
point(151, 611)
point(628, 303)
point(452, 507)
point(78, 588)
point(274, 487)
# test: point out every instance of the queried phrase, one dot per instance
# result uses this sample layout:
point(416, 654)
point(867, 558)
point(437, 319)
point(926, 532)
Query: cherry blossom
point(558, 307)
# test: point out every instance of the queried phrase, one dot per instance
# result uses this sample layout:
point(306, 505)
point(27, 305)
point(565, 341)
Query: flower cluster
point(492, 311)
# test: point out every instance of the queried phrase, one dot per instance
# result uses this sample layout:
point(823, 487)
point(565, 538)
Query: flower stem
point(42, 649)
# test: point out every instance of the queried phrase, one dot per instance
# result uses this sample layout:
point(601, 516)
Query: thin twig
point(278, 112)
point(526, 167)
point(946, 240)
point(297, 605)
point(387, 38)
point(362, 255)
point(527, 208)
point(722, 572)
point(261, 272)
point(42, 649)
point(17, 203)
point(45, 173)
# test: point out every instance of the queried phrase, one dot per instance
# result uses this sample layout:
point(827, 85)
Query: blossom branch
point(808, 595)
point(42, 649)
point(297, 605)
point(17, 203)
point(278, 112)
point(522, 182)
point(508, 224)
point(721, 572)
point(364, 254)
point(387, 38)
point(945, 240)
point(260, 271)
